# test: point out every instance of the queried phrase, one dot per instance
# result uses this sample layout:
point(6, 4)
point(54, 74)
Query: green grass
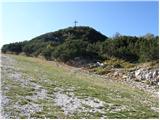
point(85, 85)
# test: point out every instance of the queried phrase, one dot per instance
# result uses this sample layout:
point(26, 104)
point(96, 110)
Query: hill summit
point(80, 32)
point(88, 44)
point(66, 43)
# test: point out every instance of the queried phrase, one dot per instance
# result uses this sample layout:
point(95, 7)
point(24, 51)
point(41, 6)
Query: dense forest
point(87, 43)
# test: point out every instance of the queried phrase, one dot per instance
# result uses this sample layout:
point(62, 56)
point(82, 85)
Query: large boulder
point(146, 74)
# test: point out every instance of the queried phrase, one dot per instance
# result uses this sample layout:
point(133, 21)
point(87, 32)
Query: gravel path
point(12, 73)
point(69, 103)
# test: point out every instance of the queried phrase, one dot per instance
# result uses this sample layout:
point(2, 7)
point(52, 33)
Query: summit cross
point(75, 22)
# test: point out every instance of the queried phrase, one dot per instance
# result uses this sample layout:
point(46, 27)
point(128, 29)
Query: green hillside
point(34, 88)
point(89, 44)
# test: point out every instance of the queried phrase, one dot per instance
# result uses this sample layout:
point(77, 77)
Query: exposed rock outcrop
point(151, 75)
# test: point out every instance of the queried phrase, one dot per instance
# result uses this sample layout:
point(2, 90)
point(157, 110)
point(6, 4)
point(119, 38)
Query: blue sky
point(23, 21)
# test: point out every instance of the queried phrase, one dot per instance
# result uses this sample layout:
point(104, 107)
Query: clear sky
point(23, 21)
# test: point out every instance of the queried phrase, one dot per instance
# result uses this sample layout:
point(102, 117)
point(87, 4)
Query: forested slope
point(87, 43)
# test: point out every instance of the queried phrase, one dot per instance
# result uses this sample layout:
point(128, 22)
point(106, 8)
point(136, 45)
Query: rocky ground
point(141, 77)
point(134, 81)
point(68, 102)
point(22, 96)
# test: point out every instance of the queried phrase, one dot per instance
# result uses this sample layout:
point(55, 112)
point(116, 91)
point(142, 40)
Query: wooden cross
point(75, 22)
